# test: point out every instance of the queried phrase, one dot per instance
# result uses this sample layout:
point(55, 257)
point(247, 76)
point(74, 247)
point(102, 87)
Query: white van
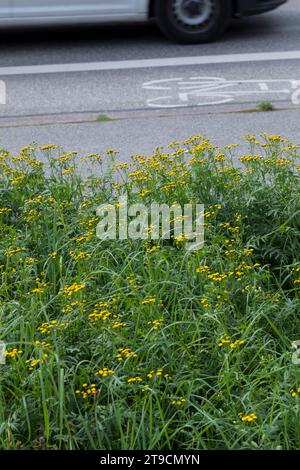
point(185, 21)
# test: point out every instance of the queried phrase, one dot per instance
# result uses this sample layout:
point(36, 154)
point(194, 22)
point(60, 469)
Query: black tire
point(193, 21)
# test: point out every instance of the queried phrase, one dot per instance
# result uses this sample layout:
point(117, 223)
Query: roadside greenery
point(146, 345)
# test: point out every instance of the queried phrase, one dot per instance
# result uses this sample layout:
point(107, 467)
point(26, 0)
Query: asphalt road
point(126, 87)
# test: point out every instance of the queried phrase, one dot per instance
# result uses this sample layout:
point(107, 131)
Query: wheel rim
point(193, 14)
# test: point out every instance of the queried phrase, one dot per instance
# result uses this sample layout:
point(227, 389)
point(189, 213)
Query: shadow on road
point(120, 35)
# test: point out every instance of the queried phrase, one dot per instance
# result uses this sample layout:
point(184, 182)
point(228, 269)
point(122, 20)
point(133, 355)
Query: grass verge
point(141, 344)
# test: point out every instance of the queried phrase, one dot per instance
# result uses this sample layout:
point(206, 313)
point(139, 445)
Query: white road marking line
point(149, 63)
point(2, 92)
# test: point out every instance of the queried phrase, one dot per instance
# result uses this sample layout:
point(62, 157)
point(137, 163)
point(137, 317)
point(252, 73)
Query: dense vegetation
point(145, 345)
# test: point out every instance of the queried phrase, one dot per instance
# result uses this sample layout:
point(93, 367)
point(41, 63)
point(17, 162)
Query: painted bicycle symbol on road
point(209, 91)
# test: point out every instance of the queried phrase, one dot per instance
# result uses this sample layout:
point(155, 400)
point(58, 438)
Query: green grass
point(103, 118)
point(190, 340)
point(265, 106)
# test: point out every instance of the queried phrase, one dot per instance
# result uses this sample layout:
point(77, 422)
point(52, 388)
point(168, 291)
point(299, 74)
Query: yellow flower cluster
point(92, 156)
point(208, 214)
point(26, 150)
point(144, 192)
point(151, 300)
point(135, 380)
point(275, 138)
point(35, 362)
point(40, 199)
point(37, 290)
point(230, 228)
point(112, 152)
point(66, 158)
point(248, 252)
point(138, 176)
point(179, 402)
point(80, 304)
point(158, 373)
point(281, 162)
point(250, 158)
point(150, 248)
point(88, 391)
point(217, 277)
point(42, 344)
point(11, 353)
point(89, 223)
point(102, 305)
point(31, 215)
point(295, 393)
point(269, 297)
point(80, 255)
point(168, 187)
point(248, 418)
point(238, 272)
point(156, 323)
point(47, 328)
point(47, 147)
point(241, 270)
point(4, 210)
point(13, 251)
point(121, 166)
point(125, 353)
point(181, 239)
point(203, 269)
point(72, 289)
point(196, 161)
point(296, 271)
point(105, 372)
point(132, 281)
point(17, 180)
point(85, 237)
point(86, 203)
point(204, 302)
point(232, 344)
point(98, 315)
point(40, 286)
point(118, 324)
point(220, 157)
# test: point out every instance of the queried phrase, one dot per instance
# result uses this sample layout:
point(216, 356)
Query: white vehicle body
point(71, 11)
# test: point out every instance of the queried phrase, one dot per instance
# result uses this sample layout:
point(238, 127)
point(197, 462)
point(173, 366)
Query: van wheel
point(193, 21)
